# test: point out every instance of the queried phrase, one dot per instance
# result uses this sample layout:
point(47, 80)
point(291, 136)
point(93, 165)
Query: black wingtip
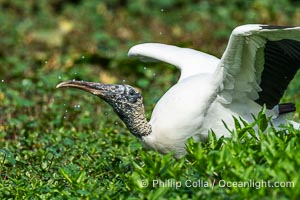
point(275, 27)
point(282, 61)
point(286, 108)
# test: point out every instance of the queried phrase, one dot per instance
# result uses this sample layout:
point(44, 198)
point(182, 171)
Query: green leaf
point(262, 119)
point(62, 171)
point(81, 177)
point(8, 156)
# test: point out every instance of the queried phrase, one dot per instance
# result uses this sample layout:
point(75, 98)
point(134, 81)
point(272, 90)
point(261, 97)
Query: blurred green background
point(45, 42)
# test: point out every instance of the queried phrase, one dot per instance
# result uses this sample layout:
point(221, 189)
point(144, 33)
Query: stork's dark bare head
point(126, 101)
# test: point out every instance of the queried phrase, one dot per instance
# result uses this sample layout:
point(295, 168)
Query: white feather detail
point(189, 61)
point(243, 59)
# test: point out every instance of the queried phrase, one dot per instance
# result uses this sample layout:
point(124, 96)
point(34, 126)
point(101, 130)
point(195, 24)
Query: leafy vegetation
point(67, 144)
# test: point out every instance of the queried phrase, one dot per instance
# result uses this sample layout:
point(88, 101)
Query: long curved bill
point(91, 87)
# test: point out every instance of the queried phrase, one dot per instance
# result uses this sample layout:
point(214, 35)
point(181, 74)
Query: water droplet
point(77, 106)
point(162, 10)
point(59, 77)
point(116, 123)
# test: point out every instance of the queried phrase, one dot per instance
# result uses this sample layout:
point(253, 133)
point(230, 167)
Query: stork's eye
point(131, 92)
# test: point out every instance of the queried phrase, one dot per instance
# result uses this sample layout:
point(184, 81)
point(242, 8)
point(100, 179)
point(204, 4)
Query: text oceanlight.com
point(257, 184)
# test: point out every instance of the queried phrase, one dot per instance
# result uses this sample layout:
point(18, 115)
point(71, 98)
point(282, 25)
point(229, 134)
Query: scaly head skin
point(126, 101)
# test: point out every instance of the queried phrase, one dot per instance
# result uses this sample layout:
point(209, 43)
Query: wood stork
point(255, 69)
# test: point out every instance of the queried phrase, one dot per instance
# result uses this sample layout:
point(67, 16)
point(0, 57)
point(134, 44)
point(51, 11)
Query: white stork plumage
point(255, 69)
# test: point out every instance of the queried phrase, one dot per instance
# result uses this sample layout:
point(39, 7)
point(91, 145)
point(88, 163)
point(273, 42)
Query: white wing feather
point(189, 61)
point(242, 63)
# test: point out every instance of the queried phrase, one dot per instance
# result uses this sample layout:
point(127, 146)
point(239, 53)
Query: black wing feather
point(282, 60)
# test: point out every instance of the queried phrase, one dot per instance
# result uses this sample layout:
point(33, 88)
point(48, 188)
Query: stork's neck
point(138, 125)
point(135, 120)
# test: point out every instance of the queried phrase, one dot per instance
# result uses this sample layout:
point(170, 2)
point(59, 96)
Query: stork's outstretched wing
point(259, 63)
point(189, 61)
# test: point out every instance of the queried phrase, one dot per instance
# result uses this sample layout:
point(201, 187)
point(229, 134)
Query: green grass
point(67, 144)
point(68, 163)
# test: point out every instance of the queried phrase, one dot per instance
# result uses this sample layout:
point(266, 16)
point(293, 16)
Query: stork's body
point(255, 69)
point(205, 111)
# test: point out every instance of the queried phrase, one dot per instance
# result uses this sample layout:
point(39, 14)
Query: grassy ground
point(62, 144)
